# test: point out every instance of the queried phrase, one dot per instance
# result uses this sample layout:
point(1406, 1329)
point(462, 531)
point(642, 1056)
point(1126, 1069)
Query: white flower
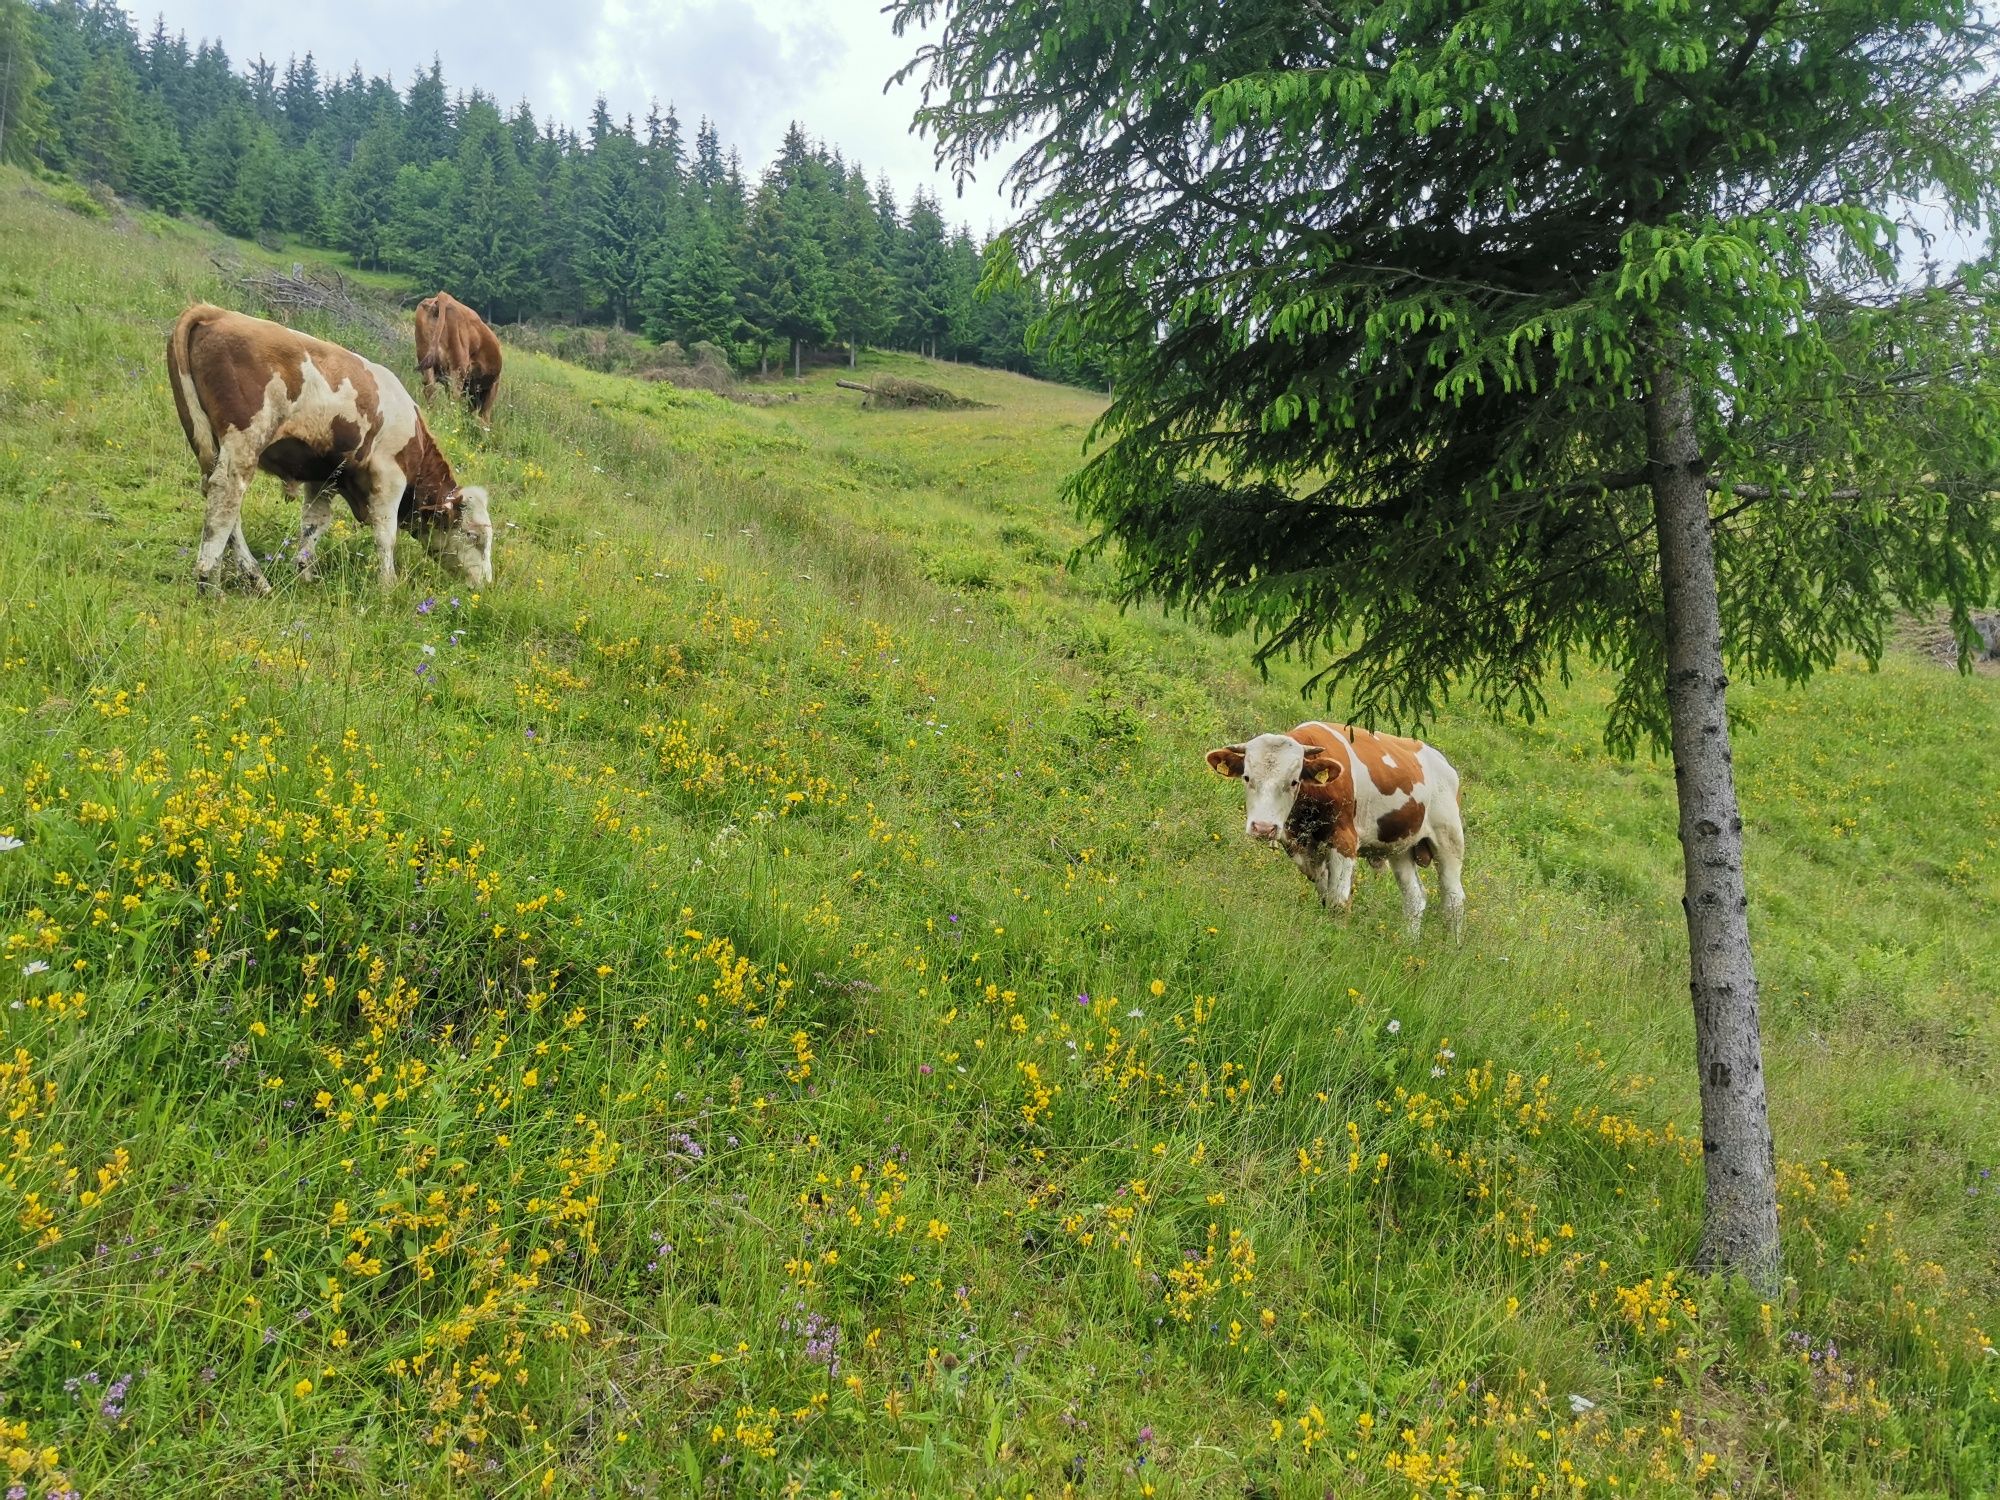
point(1438, 1071)
point(1395, 1027)
point(30, 970)
point(1580, 1405)
point(8, 843)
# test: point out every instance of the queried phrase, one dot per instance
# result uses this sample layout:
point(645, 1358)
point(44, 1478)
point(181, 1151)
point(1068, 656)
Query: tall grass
point(766, 999)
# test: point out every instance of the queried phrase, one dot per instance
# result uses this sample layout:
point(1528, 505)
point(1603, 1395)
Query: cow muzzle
point(1264, 832)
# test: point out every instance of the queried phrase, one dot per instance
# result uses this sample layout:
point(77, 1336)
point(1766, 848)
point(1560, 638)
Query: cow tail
point(180, 379)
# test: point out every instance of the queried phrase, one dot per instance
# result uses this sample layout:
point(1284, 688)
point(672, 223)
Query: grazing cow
point(1327, 793)
point(255, 395)
point(455, 345)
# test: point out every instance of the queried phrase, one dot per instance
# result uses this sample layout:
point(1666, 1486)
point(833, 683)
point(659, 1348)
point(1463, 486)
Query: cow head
point(462, 536)
point(1274, 768)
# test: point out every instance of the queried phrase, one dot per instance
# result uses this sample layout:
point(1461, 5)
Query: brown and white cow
point(455, 345)
point(255, 395)
point(1329, 793)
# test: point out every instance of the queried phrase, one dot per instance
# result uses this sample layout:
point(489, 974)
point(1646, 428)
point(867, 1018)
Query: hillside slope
point(766, 999)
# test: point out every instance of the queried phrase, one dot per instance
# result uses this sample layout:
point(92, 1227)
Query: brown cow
point(1327, 793)
point(255, 395)
point(455, 345)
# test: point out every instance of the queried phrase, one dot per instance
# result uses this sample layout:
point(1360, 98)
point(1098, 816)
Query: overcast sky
point(750, 65)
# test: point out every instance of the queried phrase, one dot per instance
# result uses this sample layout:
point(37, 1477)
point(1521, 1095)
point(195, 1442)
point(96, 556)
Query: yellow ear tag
point(1323, 775)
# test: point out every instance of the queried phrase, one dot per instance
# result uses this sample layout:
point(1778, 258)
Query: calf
point(1329, 793)
point(255, 395)
point(455, 345)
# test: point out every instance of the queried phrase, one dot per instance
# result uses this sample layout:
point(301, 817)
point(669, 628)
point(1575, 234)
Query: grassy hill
point(766, 999)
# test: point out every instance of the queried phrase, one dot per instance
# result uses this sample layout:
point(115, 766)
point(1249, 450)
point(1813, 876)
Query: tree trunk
point(797, 344)
point(1740, 1226)
point(853, 354)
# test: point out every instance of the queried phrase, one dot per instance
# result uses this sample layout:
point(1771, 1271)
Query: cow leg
point(487, 395)
point(1450, 846)
point(1336, 882)
point(382, 521)
point(315, 516)
point(1405, 865)
point(235, 467)
point(247, 560)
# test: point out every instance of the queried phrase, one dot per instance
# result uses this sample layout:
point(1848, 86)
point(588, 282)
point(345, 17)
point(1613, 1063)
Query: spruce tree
point(1462, 342)
point(611, 234)
point(362, 207)
point(103, 146)
point(23, 113)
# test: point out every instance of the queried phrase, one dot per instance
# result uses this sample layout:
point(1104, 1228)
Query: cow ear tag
point(1323, 775)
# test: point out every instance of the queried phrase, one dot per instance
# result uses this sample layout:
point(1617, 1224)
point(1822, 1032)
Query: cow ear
point(1227, 761)
point(1322, 772)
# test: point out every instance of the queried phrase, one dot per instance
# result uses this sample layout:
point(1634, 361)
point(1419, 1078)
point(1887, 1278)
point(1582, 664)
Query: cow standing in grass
point(1330, 793)
point(455, 345)
point(255, 395)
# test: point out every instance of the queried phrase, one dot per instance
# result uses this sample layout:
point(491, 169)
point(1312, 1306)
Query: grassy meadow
point(767, 1000)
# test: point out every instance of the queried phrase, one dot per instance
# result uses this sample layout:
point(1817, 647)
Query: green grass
point(488, 1042)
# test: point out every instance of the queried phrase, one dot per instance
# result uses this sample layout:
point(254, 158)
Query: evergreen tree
point(864, 289)
point(299, 99)
point(160, 174)
point(692, 290)
point(263, 81)
point(923, 274)
point(23, 113)
point(612, 235)
point(486, 259)
point(363, 202)
point(219, 150)
point(109, 99)
point(708, 170)
point(665, 166)
point(165, 74)
point(256, 202)
point(420, 226)
point(426, 119)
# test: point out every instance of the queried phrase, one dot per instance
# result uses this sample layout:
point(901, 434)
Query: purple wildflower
point(113, 1405)
point(427, 606)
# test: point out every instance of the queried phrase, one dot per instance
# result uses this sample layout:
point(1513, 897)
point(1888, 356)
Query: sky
point(750, 65)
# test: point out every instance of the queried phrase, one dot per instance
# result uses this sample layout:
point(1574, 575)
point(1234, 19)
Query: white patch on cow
point(319, 405)
point(1273, 765)
point(1388, 759)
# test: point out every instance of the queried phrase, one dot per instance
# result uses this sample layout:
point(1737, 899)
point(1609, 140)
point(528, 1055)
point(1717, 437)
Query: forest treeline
point(632, 225)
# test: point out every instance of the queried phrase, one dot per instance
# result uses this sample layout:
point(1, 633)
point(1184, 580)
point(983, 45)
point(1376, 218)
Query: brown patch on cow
point(1375, 751)
point(433, 493)
point(1400, 826)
